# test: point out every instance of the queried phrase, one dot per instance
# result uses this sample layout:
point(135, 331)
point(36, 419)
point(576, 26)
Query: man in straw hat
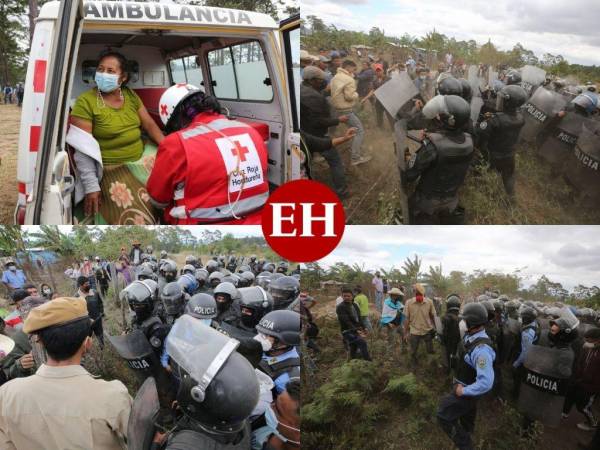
point(62, 406)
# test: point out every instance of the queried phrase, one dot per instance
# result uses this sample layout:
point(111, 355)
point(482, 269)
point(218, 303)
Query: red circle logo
point(303, 221)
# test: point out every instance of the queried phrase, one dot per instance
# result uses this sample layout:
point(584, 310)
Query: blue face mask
point(273, 423)
point(107, 82)
point(206, 322)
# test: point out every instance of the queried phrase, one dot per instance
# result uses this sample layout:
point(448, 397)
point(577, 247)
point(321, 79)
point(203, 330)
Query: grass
point(385, 404)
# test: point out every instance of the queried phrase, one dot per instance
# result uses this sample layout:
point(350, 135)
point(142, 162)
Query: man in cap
point(315, 119)
point(418, 324)
point(12, 277)
point(135, 255)
point(35, 410)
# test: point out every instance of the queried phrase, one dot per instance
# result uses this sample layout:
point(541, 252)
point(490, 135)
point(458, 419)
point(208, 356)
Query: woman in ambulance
point(112, 162)
point(209, 168)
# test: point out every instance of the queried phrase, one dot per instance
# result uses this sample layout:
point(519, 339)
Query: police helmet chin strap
point(235, 171)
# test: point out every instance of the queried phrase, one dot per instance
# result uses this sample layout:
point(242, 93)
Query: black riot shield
point(396, 93)
point(537, 112)
point(582, 165)
point(544, 383)
point(140, 429)
point(135, 349)
point(561, 139)
point(510, 339)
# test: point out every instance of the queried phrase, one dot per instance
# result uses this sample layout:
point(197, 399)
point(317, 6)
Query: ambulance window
point(240, 73)
point(177, 71)
point(186, 70)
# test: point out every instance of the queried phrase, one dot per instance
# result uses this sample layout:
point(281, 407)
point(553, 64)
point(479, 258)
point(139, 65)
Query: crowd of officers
point(245, 311)
point(480, 336)
point(456, 134)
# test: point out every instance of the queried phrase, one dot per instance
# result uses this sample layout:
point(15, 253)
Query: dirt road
point(10, 121)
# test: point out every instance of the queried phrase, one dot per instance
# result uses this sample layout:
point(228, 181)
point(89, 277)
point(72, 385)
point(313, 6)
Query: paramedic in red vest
point(208, 169)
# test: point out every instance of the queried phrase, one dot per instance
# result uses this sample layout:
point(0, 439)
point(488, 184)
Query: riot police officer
point(192, 260)
point(498, 134)
point(145, 272)
point(140, 295)
point(284, 291)
point(450, 331)
point(495, 334)
point(227, 297)
point(212, 266)
point(232, 263)
point(255, 302)
point(201, 276)
point(263, 279)
point(246, 279)
point(173, 298)
point(214, 279)
point(167, 273)
point(202, 307)
point(474, 376)
point(441, 163)
point(530, 335)
point(283, 267)
point(279, 334)
point(253, 264)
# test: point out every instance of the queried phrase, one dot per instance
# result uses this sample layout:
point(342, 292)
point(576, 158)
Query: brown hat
point(59, 311)
point(420, 289)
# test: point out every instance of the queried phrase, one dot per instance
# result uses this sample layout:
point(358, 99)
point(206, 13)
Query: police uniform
point(530, 335)
point(281, 368)
point(474, 370)
point(498, 138)
point(441, 163)
point(35, 409)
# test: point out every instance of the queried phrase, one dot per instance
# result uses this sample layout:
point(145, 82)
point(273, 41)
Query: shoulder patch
point(483, 125)
point(481, 362)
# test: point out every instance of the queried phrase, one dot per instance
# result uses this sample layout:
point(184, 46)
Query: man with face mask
point(95, 307)
point(419, 322)
point(474, 376)
point(280, 426)
point(13, 278)
point(585, 384)
point(315, 120)
point(279, 334)
point(227, 297)
point(29, 417)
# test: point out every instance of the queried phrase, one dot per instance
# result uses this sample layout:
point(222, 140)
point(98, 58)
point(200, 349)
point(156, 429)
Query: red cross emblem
point(163, 110)
point(240, 151)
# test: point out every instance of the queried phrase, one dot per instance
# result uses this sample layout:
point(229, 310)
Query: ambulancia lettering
point(586, 160)
point(541, 382)
point(267, 324)
point(115, 10)
point(138, 364)
point(536, 113)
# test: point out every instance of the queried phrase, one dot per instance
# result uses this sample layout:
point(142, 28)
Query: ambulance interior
point(238, 68)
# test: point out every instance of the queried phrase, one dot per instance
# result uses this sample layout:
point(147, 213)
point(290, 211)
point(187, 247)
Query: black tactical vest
point(290, 366)
point(464, 372)
point(447, 174)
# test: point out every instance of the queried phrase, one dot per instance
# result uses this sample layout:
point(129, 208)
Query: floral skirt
point(125, 200)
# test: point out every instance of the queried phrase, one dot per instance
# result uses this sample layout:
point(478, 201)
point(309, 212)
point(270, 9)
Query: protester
point(418, 324)
point(363, 305)
point(377, 283)
point(353, 330)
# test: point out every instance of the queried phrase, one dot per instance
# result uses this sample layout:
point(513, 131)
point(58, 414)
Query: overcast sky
point(567, 254)
point(569, 28)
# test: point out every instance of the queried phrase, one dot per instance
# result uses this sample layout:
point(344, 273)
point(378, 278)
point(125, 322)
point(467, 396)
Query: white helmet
point(172, 97)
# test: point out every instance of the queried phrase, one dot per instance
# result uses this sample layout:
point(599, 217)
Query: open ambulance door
point(289, 30)
point(51, 201)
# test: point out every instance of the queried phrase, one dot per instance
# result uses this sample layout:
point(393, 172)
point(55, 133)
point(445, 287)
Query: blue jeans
point(354, 122)
point(379, 300)
point(336, 167)
point(366, 322)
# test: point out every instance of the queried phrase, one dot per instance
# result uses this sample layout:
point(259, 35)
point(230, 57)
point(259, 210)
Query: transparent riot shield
point(561, 139)
point(532, 77)
point(394, 94)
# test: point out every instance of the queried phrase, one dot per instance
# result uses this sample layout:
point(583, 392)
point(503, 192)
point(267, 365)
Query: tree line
point(316, 34)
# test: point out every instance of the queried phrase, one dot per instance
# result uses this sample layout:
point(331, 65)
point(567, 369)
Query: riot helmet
point(474, 315)
point(452, 111)
point(212, 266)
point(188, 283)
point(282, 267)
point(268, 267)
point(225, 293)
point(247, 278)
point(231, 278)
point(188, 268)
point(528, 315)
point(172, 298)
point(243, 268)
point(201, 306)
point(510, 98)
point(253, 258)
point(201, 276)
point(255, 302)
point(163, 254)
point(145, 272)
point(284, 291)
point(450, 86)
point(489, 307)
point(587, 102)
point(512, 77)
point(498, 305)
point(263, 279)
point(191, 259)
point(467, 91)
point(215, 278)
point(453, 302)
point(218, 388)
point(140, 297)
point(169, 270)
point(283, 325)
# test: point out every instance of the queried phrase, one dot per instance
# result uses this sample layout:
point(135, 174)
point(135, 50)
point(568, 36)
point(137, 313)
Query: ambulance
point(245, 59)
